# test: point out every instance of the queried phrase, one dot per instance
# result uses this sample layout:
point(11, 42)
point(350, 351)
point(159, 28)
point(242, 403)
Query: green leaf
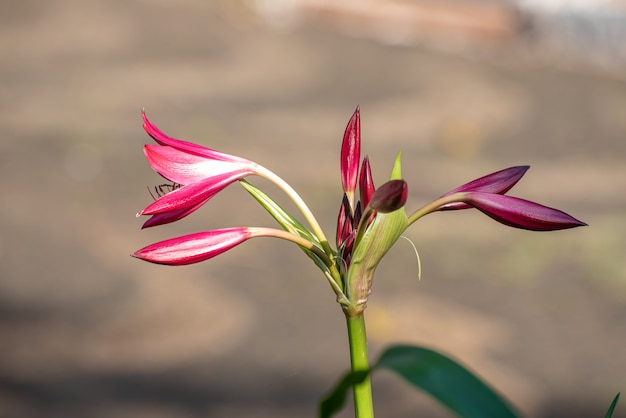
point(287, 222)
point(284, 218)
point(445, 380)
point(609, 413)
point(369, 249)
point(335, 400)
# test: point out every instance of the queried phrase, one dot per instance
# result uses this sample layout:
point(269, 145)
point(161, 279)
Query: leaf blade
point(287, 222)
point(335, 400)
point(609, 413)
point(445, 380)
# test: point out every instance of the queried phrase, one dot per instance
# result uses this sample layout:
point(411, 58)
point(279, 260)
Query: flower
point(198, 173)
point(520, 213)
point(202, 246)
point(201, 171)
point(487, 194)
point(368, 224)
point(194, 248)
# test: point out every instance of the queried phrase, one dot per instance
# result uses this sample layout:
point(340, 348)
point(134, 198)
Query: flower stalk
point(359, 361)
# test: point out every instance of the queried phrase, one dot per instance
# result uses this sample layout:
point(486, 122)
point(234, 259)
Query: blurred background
point(462, 88)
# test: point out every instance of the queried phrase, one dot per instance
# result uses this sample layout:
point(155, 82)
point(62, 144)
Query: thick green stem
point(363, 405)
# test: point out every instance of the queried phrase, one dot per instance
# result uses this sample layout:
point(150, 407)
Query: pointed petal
point(499, 182)
point(350, 155)
point(520, 213)
point(366, 182)
point(185, 168)
point(390, 196)
point(185, 146)
point(193, 248)
point(193, 195)
point(171, 216)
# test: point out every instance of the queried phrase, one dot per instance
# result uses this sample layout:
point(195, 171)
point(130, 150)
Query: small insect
point(163, 189)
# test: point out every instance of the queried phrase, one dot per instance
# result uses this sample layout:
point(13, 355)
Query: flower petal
point(185, 168)
point(350, 155)
point(520, 213)
point(171, 216)
point(185, 146)
point(193, 195)
point(499, 182)
point(193, 248)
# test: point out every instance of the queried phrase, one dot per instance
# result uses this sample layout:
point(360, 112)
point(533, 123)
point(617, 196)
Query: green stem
point(433, 206)
point(363, 405)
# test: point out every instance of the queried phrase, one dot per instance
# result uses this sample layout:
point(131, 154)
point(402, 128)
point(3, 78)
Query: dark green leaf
point(447, 381)
point(286, 221)
point(284, 218)
point(334, 401)
point(609, 413)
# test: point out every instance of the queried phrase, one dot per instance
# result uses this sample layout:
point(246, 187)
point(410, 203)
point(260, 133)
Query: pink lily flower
point(194, 248)
point(201, 171)
point(201, 246)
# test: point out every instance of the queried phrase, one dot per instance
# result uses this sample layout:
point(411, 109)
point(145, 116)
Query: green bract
point(370, 248)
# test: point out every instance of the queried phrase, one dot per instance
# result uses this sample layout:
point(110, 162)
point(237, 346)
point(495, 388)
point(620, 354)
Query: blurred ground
point(86, 331)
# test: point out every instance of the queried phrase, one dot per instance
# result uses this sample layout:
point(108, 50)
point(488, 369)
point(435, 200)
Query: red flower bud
point(390, 196)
